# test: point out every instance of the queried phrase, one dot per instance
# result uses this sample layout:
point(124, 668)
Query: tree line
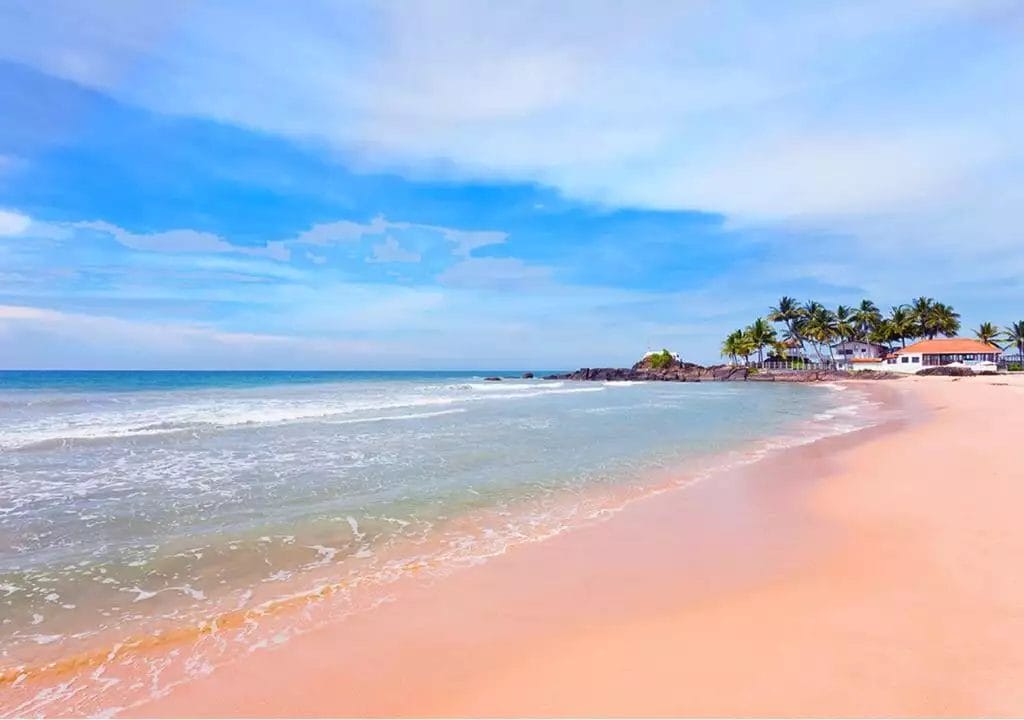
point(813, 324)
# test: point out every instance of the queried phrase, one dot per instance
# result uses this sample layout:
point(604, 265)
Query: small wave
point(406, 416)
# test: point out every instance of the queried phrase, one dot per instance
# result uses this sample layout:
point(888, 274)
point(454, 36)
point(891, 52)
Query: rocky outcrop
point(690, 372)
point(947, 370)
point(492, 379)
point(527, 376)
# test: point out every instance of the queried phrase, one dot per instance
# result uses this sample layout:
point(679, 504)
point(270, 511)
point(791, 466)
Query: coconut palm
point(846, 323)
point(820, 327)
point(942, 320)
point(884, 333)
point(920, 309)
point(1014, 334)
point(790, 313)
point(901, 322)
point(866, 318)
point(988, 333)
point(761, 334)
point(737, 344)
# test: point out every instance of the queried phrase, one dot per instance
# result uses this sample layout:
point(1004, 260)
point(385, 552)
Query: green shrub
point(752, 371)
point(1014, 367)
point(660, 360)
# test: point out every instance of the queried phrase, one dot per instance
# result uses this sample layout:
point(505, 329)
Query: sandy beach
point(872, 574)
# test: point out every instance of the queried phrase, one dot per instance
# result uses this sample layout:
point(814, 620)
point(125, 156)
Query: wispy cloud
point(181, 241)
point(13, 223)
point(494, 273)
point(390, 251)
point(463, 242)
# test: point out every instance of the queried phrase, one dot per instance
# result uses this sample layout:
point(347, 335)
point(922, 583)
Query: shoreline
point(803, 583)
point(800, 585)
point(228, 634)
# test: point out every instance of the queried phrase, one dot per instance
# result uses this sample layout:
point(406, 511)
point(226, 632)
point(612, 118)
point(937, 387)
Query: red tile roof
point(949, 346)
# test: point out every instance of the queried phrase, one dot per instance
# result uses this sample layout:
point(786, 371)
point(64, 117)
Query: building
point(794, 349)
point(941, 351)
point(850, 352)
point(867, 363)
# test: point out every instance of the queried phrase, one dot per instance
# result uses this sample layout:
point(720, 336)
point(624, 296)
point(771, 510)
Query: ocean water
point(155, 524)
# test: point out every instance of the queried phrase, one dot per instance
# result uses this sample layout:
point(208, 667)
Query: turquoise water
point(137, 503)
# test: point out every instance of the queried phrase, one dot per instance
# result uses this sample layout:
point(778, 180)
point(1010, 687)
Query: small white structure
point(794, 349)
point(857, 364)
point(974, 354)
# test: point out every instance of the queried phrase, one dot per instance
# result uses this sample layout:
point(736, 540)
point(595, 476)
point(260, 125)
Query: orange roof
point(950, 346)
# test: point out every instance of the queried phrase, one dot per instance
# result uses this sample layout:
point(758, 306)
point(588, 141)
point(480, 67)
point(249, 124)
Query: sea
point(156, 524)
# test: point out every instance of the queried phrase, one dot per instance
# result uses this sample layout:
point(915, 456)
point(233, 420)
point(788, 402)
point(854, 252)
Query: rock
point(492, 379)
point(946, 370)
point(527, 376)
point(678, 371)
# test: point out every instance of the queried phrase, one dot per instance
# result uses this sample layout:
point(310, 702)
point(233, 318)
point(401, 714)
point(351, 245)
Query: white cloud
point(390, 251)
point(464, 242)
point(811, 112)
point(494, 274)
point(807, 104)
point(181, 241)
point(13, 223)
point(340, 231)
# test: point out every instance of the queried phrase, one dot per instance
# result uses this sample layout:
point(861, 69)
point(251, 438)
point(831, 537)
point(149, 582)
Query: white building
point(940, 351)
point(852, 349)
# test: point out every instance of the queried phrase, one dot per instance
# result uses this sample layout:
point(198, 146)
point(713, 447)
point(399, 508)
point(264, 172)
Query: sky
point(528, 185)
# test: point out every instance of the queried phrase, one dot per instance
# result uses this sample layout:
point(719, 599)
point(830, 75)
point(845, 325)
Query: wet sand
point(875, 573)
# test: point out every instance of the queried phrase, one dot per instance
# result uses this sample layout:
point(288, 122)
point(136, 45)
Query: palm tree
point(933, 318)
point(920, 309)
point(846, 324)
point(1014, 335)
point(884, 333)
point(866, 318)
point(738, 344)
point(761, 334)
point(732, 345)
point(820, 327)
point(789, 313)
point(988, 333)
point(901, 321)
point(942, 320)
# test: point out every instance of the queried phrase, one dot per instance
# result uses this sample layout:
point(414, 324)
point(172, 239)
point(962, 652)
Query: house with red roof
point(940, 351)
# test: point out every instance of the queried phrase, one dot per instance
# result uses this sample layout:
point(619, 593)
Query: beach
point(874, 573)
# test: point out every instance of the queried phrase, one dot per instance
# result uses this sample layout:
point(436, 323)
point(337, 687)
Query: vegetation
point(1014, 335)
point(660, 360)
point(812, 324)
point(988, 333)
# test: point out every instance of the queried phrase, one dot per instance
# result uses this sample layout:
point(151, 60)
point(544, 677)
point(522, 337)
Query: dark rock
point(947, 371)
point(678, 371)
point(492, 379)
point(527, 376)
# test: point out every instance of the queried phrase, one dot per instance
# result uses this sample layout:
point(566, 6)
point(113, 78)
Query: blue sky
point(470, 184)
